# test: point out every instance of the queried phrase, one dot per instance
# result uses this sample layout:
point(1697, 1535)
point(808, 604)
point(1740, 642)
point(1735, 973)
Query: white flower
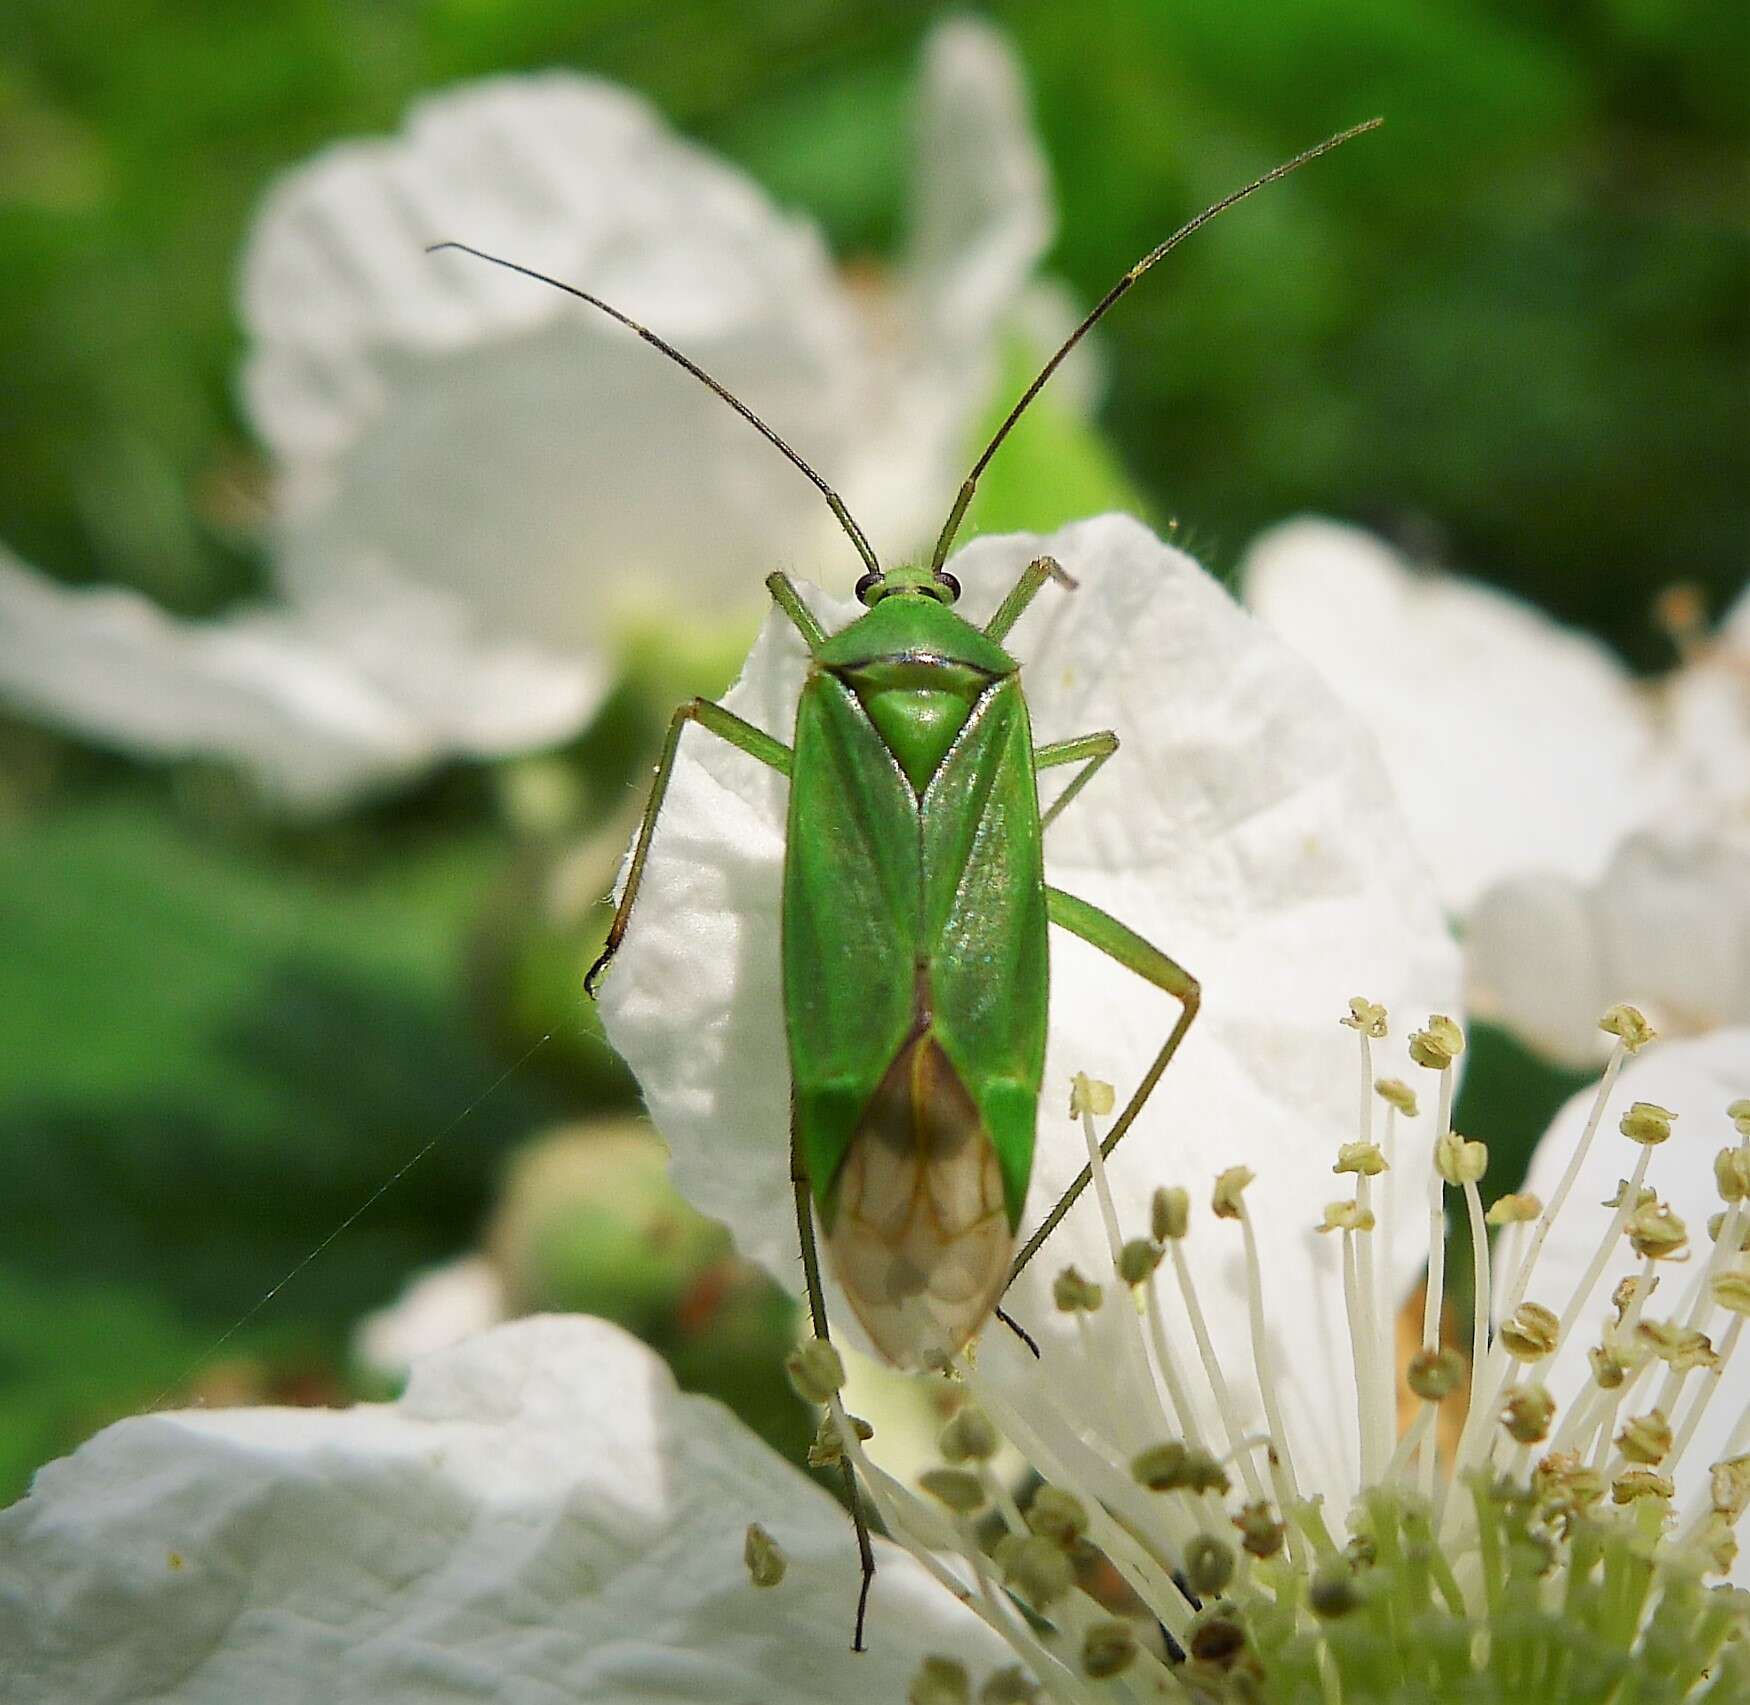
point(1592, 831)
point(483, 485)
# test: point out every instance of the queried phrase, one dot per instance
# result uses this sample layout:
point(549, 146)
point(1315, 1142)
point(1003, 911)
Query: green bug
point(915, 913)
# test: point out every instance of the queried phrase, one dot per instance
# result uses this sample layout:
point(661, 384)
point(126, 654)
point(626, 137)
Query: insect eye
point(950, 583)
point(868, 586)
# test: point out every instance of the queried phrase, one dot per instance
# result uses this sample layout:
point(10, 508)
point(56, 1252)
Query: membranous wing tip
point(920, 1239)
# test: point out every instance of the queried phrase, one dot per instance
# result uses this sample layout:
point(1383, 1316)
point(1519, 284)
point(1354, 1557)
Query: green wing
point(984, 924)
point(852, 887)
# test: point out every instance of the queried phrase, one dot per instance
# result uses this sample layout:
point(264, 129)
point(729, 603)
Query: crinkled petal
point(1246, 827)
point(1697, 1080)
point(1516, 744)
point(524, 452)
point(319, 704)
point(1666, 926)
point(541, 1517)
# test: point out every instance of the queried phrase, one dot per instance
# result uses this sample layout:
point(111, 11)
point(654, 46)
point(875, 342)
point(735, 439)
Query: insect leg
point(789, 600)
point(1100, 929)
point(1024, 591)
point(817, 1313)
point(726, 725)
point(1094, 748)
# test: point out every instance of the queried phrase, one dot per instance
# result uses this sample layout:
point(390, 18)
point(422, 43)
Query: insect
point(915, 914)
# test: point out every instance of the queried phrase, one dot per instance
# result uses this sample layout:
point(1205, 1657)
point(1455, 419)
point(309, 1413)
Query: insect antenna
point(964, 500)
point(834, 502)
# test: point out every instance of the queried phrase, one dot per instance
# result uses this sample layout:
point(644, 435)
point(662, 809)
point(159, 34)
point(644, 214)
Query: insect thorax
point(917, 669)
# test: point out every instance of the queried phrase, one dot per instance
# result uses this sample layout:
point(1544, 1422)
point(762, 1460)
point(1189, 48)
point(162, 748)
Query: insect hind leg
point(1099, 929)
point(817, 1314)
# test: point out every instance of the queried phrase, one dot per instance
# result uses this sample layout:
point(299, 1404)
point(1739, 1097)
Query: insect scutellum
point(915, 915)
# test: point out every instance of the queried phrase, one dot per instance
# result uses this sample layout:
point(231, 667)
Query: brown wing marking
point(920, 1239)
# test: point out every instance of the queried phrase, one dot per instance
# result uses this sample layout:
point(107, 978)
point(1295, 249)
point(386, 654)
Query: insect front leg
point(1089, 750)
point(726, 725)
point(817, 1313)
point(1025, 590)
point(1102, 930)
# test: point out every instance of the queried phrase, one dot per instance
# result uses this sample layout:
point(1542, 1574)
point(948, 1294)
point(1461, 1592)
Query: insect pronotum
point(914, 918)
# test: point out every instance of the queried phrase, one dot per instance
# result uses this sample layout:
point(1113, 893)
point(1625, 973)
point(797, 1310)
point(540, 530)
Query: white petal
point(1246, 827)
point(436, 1308)
point(112, 666)
point(1517, 745)
point(982, 215)
point(1697, 1080)
point(1666, 926)
point(363, 688)
point(542, 1517)
point(515, 446)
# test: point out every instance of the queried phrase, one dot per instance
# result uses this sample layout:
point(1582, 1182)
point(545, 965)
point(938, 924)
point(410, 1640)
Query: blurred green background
point(1509, 332)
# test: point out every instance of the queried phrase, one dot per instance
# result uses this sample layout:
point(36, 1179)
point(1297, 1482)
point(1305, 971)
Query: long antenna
point(834, 502)
point(961, 503)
